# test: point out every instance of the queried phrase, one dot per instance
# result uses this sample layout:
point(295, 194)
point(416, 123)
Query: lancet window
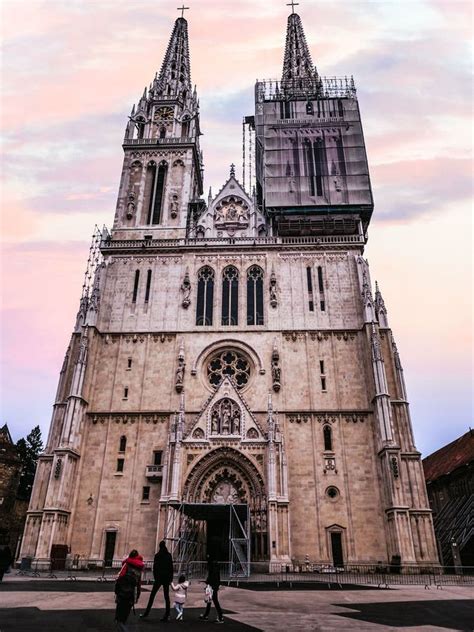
point(136, 281)
point(205, 296)
point(123, 443)
point(230, 296)
point(255, 296)
point(327, 434)
point(156, 178)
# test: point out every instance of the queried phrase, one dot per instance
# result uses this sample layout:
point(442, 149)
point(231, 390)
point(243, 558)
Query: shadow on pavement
point(33, 619)
point(454, 614)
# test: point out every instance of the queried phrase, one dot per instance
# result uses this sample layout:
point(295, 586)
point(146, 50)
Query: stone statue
point(225, 420)
point(186, 290)
point(131, 205)
point(236, 423)
point(215, 423)
point(273, 290)
point(174, 206)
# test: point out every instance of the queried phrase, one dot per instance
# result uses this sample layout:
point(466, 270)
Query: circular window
point(332, 493)
point(230, 363)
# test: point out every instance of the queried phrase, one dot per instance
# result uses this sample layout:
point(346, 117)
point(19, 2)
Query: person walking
point(181, 590)
point(163, 576)
point(214, 581)
point(127, 588)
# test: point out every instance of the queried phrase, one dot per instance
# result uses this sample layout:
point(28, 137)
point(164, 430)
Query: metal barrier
point(377, 575)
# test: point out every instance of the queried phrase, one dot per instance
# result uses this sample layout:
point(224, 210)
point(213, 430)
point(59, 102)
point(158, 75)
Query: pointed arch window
point(157, 176)
point(163, 132)
point(327, 434)
point(230, 296)
point(255, 296)
point(205, 296)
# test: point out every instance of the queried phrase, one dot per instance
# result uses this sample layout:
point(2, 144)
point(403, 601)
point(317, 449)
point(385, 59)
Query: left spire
point(174, 77)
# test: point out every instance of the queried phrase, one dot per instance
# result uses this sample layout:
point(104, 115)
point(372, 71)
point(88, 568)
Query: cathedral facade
point(232, 383)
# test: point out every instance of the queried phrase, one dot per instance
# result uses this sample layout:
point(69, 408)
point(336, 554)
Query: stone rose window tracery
point(230, 363)
point(225, 418)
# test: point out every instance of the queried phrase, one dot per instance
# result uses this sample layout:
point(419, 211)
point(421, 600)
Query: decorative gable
point(225, 416)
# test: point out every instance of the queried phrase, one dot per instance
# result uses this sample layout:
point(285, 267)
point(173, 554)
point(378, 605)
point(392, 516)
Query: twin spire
point(174, 77)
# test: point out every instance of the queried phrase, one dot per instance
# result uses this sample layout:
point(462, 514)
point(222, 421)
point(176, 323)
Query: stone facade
point(232, 353)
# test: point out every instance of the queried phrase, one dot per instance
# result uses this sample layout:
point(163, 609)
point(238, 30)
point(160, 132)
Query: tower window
point(321, 366)
point(323, 383)
point(230, 296)
point(157, 457)
point(309, 108)
point(322, 302)
point(146, 493)
point(255, 296)
point(158, 178)
point(123, 443)
point(140, 128)
point(163, 132)
point(129, 363)
point(135, 286)
point(327, 434)
point(125, 392)
point(205, 296)
point(120, 464)
point(148, 285)
point(309, 280)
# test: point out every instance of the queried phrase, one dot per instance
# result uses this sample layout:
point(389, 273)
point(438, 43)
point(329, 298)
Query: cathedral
point(232, 384)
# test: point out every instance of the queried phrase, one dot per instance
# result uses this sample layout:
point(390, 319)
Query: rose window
point(228, 363)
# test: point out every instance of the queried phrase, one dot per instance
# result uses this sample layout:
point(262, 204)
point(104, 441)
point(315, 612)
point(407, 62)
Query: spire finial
point(293, 5)
point(232, 170)
point(297, 63)
point(182, 9)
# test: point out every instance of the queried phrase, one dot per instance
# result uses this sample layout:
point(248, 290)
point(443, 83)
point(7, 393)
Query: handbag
point(208, 594)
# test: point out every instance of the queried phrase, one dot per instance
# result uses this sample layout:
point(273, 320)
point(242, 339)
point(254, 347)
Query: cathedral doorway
point(231, 487)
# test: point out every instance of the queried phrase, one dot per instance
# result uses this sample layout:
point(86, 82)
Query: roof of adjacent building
point(450, 457)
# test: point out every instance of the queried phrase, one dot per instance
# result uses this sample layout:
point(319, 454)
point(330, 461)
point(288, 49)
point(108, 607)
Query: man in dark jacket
point(163, 576)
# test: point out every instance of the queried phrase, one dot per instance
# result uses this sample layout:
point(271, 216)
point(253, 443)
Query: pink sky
point(70, 73)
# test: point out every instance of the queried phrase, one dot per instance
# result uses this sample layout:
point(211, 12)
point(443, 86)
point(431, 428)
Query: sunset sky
point(70, 72)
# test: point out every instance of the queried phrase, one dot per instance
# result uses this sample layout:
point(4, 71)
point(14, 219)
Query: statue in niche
point(276, 371)
point(174, 206)
point(131, 205)
point(186, 290)
point(236, 423)
point(215, 423)
point(273, 290)
point(225, 426)
point(225, 418)
point(179, 376)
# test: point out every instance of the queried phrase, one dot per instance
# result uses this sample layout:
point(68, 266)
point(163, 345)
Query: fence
point(377, 575)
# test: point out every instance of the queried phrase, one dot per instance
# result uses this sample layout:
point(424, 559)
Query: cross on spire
point(293, 4)
point(182, 9)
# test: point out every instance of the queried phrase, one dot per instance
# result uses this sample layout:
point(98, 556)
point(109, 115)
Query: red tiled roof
point(445, 460)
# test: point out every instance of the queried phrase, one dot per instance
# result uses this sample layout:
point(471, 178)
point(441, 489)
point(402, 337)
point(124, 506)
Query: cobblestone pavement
point(53, 606)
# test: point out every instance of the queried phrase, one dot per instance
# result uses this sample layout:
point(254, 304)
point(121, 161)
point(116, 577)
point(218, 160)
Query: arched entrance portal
point(226, 477)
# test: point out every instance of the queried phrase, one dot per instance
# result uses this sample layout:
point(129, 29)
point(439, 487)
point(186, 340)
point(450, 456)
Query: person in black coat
point(214, 581)
point(163, 576)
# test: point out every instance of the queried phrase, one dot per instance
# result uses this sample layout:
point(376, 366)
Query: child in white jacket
point(181, 590)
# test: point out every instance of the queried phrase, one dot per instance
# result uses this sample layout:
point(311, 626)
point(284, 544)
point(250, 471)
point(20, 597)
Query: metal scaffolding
point(186, 534)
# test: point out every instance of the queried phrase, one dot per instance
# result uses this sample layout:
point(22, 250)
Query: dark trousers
point(166, 592)
point(122, 611)
point(215, 599)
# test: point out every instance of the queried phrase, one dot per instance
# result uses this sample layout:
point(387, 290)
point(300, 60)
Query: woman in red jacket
point(127, 588)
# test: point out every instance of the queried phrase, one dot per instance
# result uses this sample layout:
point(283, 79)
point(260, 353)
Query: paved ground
point(54, 606)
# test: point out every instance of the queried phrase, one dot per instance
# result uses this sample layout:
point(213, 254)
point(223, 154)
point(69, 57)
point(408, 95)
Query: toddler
point(181, 590)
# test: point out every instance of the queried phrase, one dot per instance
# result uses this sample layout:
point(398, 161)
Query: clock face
point(165, 113)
